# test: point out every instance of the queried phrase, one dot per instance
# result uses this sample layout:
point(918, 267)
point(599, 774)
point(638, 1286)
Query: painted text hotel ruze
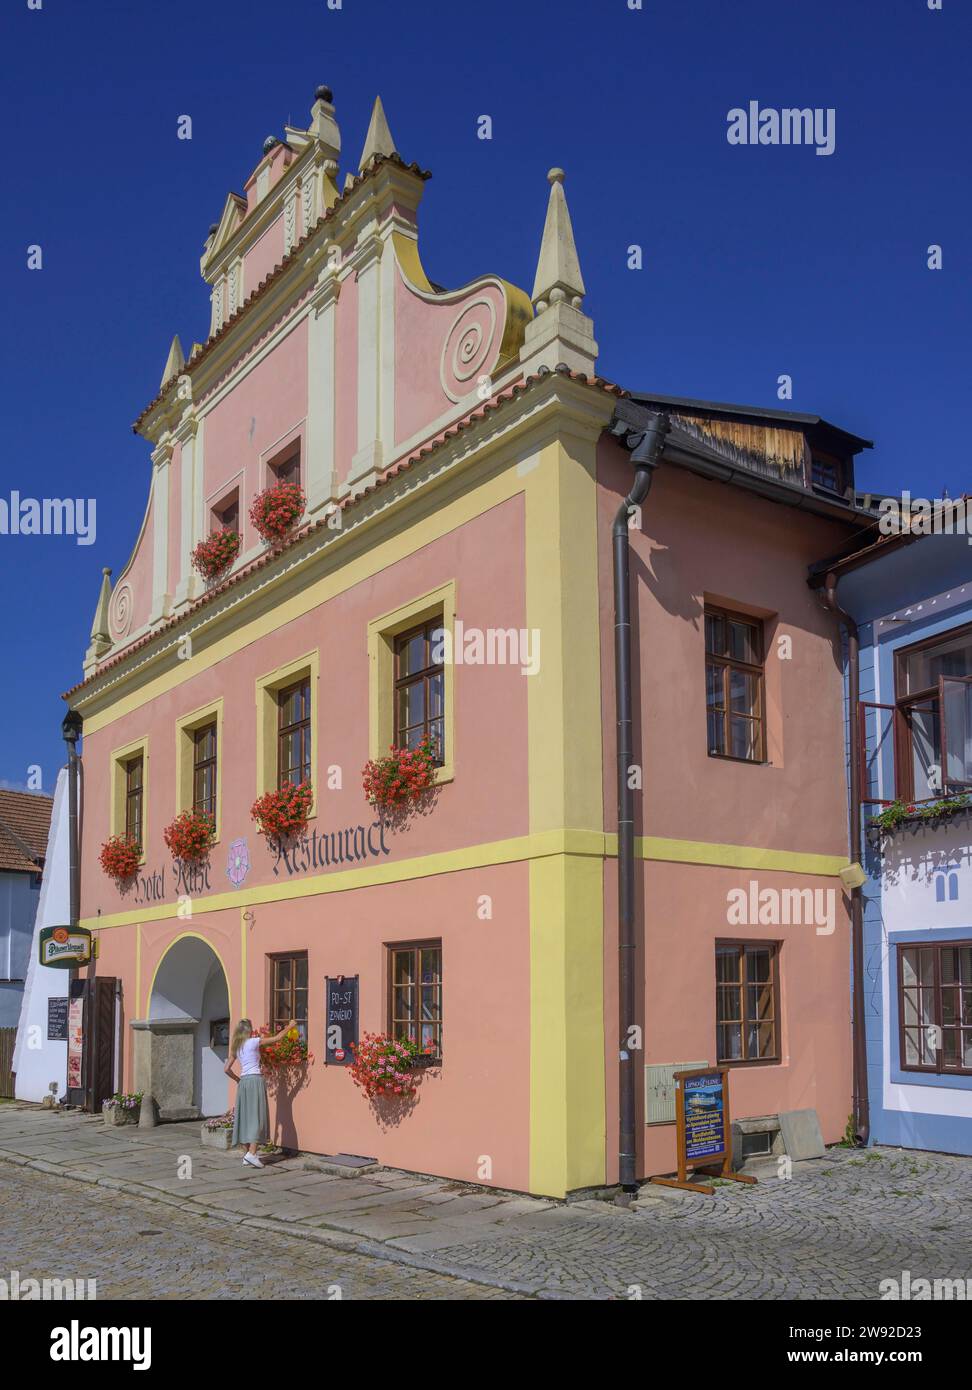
point(463, 466)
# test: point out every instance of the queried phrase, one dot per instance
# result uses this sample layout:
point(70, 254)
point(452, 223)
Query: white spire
point(558, 269)
point(100, 635)
point(174, 363)
point(561, 331)
point(379, 140)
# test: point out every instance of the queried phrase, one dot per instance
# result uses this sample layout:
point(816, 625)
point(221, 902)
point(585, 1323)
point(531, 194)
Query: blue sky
point(757, 261)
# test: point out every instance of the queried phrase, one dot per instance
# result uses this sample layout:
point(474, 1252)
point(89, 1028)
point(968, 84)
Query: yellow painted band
point(576, 843)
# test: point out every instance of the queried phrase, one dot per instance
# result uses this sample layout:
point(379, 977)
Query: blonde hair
point(242, 1031)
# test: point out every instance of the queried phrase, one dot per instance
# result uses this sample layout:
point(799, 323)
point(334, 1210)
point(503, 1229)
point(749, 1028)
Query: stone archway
point(176, 1059)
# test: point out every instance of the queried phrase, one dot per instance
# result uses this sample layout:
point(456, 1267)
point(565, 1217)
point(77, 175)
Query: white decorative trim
point(121, 610)
point(290, 223)
point(308, 196)
point(467, 348)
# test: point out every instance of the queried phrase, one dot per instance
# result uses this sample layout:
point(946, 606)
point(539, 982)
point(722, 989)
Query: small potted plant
point(123, 1108)
point(217, 1132)
point(276, 510)
point(283, 813)
point(120, 857)
point(400, 779)
point(190, 836)
point(213, 556)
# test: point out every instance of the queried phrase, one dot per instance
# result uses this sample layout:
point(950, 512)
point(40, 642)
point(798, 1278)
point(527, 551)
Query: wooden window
point(134, 792)
point(935, 1007)
point(734, 686)
point(226, 516)
point(420, 688)
point(415, 993)
point(288, 991)
point(933, 704)
point(204, 769)
point(747, 1001)
point(286, 469)
point(294, 733)
point(828, 472)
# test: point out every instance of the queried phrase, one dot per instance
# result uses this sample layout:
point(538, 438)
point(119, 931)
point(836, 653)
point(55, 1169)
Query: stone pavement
point(835, 1229)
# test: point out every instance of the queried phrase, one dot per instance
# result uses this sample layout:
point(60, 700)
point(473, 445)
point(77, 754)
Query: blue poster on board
point(703, 1109)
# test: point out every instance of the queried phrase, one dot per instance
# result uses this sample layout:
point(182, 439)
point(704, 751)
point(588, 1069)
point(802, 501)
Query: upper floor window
point(827, 472)
point(935, 1007)
point(204, 769)
point(226, 515)
point(734, 685)
point(933, 701)
point(286, 468)
point(134, 791)
point(420, 688)
point(294, 733)
point(747, 1001)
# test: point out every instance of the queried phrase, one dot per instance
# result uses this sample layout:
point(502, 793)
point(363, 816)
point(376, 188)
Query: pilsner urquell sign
point(64, 947)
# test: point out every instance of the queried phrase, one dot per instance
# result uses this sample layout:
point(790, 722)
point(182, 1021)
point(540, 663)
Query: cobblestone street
point(79, 1199)
point(137, 1249)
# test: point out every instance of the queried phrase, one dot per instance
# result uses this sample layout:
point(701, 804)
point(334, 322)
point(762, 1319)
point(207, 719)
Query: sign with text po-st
point(65, 948)
point(341, 1014)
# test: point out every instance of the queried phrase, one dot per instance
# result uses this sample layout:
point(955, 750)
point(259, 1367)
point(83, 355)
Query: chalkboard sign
point(341, 1015)
point(57, 1020)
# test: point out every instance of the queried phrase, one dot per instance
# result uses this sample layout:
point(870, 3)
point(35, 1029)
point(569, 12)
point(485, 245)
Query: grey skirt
point(251, 1119)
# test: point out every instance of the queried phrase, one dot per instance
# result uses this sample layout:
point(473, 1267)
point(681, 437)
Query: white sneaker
point(252, 1160)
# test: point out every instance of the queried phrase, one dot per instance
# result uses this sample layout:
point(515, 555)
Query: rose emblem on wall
point(237, 862)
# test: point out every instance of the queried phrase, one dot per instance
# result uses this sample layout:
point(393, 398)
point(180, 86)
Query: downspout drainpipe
point(645, 454)
point(862, 1120)
point(71, 727)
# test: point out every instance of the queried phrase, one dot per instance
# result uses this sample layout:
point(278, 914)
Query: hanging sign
point(341, 1014)
point(64, 947)
point(703, 1128)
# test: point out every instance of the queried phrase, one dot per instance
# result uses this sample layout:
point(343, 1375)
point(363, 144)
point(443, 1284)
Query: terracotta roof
point(274, 275)
point(419, 455)
point(25, 819)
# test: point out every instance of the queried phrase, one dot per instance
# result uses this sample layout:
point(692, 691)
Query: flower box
point(901, 815)
point(276, 510)
point(221, 1138)
point(120, 857)
point(400, 779)
point(213, 556)
point(284, 813)
point(190, 836)
point(123, 1108)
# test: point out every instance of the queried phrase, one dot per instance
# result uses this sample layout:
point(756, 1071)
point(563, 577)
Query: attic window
point(828, 473)
point(226, 514)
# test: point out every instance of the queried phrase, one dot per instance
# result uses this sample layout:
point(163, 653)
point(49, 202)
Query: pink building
point(463, 465)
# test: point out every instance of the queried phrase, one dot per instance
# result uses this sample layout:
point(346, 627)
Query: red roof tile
point(25, 819)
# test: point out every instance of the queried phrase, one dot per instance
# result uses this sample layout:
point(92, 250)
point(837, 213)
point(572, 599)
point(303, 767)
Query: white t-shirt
point(249, 1057)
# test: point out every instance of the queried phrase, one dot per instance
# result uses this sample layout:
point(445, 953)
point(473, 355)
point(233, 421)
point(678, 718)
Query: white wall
point(38, 1062)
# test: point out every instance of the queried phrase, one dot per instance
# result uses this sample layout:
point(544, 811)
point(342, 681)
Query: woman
point(251, 1118)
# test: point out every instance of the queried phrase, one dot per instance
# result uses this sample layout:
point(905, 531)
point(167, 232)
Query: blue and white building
point(911, 597)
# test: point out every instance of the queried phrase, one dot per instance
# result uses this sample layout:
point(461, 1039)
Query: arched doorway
point(188, 1003)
